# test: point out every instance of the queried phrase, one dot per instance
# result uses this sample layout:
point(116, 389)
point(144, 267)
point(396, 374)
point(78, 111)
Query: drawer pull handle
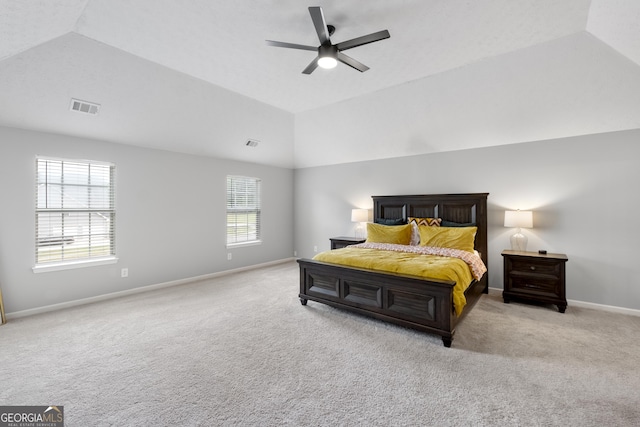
point(532, 267)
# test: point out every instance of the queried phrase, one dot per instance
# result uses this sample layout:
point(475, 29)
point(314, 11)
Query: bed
point(425, 304)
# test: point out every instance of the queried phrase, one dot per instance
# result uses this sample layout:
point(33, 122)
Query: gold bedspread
point(414, 264)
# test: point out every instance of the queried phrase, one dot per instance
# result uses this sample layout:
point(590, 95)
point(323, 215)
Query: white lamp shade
point(518, 219)
point(359, 215)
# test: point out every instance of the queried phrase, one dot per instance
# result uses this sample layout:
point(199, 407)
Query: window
point(243, 210)
point(75, 213)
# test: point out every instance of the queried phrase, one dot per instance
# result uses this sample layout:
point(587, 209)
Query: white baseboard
point(584, 304)
point(75, 303)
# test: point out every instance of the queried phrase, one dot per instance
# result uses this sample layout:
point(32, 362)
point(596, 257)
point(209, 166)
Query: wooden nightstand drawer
point(344, 241)
point(543, 267)
point(535, 284)
point(535, 277)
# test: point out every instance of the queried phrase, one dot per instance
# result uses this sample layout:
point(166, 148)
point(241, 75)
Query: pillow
point(397, 234)
point(429, 222)
point(415, 222)
point(456, 224)
point(449, 237)
point(390, 221)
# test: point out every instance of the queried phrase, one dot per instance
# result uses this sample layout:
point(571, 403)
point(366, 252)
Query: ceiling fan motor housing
point(330, 51)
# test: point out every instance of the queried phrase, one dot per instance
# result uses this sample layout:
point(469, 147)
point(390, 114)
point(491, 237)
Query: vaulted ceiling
point(163, 70)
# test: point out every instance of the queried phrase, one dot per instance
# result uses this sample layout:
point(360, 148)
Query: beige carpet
point(242, 350)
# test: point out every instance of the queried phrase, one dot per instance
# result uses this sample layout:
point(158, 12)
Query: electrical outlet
point(295, 253)
point(229, 256)
point(315, 249)
point(124, 272)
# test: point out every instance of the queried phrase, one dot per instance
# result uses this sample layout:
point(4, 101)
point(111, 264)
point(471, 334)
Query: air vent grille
point(85, 107)
point(252, 143)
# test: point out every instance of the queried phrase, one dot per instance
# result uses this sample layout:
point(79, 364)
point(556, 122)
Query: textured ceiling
point(110, 51)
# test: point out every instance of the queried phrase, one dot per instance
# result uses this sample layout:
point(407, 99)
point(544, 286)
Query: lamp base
point(360, 231)
point(519, 242)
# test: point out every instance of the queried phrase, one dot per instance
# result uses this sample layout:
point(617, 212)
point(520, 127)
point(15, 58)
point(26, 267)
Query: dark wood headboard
point(460, 208)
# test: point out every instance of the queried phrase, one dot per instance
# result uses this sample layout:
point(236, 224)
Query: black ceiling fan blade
point(291, 45)
point(312, 66)
point(359, 41)
point(352, 62)
point(321, 26)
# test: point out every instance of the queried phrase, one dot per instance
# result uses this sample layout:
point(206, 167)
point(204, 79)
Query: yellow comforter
point(415, 264)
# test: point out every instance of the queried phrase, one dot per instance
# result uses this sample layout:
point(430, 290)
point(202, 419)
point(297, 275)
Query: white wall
point(581, 189)
point(170, 218)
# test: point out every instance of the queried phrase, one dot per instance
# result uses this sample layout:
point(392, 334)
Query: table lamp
point(518, 219)
point(359, 216)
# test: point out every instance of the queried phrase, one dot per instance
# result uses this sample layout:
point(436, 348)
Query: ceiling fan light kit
point(328, 53)
point(327, 62)
point(327, 56)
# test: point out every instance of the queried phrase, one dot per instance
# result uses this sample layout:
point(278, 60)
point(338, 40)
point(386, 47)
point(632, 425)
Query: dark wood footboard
point(425, 305)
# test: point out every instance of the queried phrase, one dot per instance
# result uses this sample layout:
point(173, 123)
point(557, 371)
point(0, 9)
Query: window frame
point(106, 204)
point(246, 209)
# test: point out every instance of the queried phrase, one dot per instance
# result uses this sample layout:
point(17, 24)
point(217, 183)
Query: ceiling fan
point(329, 54)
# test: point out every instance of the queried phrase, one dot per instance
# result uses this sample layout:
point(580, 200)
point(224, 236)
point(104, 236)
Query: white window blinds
point(243, 209)
point(75, 210)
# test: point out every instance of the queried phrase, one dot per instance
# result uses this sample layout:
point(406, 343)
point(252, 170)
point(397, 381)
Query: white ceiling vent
point(252, 143)
point(84, 107)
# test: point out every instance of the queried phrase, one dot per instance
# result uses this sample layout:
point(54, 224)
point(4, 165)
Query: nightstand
point(342, 241)
point(535, 277)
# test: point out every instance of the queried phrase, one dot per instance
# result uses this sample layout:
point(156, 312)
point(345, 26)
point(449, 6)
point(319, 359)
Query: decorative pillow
point(379, 233)
point(390, 221)
point(416, 222)
point(429, 222)
point(449, 237)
